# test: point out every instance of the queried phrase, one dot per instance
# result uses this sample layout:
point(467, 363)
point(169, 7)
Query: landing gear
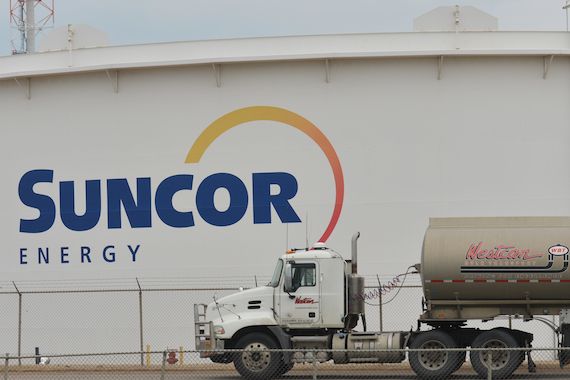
point(531, 364)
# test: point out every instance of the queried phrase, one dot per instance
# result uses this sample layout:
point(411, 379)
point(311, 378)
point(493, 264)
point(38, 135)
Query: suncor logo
point(138, 208)
point(138, 203)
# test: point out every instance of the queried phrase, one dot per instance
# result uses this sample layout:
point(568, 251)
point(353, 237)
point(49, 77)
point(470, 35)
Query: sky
point(144, 21)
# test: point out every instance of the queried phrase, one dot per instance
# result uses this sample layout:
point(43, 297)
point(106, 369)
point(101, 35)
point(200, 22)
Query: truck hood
point(247, 305)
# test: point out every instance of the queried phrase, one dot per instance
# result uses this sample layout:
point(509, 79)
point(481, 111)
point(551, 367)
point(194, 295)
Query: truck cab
point(306, 291)
point(314, 296)
point(305, 297)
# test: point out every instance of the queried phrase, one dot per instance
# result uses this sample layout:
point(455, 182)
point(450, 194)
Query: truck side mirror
point(288, 278)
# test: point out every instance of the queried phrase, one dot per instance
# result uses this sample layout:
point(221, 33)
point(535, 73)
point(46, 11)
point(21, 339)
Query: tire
point(504, 363)
point(438, 364)
point(257, 360)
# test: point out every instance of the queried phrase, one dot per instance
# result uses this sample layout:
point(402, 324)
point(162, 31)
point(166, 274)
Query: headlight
point(219, 330)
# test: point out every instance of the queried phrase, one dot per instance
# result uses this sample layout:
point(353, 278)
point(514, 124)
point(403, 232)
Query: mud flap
point(564, 355)
point(284, 341)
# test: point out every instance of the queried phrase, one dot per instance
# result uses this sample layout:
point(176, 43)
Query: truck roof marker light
point(281, 115)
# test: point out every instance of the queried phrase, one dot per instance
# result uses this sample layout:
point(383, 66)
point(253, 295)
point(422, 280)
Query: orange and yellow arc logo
point(281, 115)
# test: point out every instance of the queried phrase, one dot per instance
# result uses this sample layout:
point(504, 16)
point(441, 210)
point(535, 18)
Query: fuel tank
point(499, 258)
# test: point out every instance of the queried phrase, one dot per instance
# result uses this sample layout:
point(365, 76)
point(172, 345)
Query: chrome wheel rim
point(499, 359)
point(256, 356)
point(435, 359)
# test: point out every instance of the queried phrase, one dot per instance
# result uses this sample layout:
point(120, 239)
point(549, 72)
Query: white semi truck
point(471, 269)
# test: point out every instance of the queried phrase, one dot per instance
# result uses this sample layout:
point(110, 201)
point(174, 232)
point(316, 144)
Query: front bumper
point(207, 346)
point(206, 342)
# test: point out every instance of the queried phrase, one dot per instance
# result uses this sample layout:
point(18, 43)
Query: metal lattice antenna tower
point(28, 18)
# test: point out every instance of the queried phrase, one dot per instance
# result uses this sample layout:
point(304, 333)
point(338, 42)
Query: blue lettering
point(119, 193)
point(263, 199)
point(64, 255)
point(163, 201)
point(134, 252)
point(108, 254)
point(67, 206)
point(205, 199)
point(43, 203)
point(23, 256)
point(271, 191)
point(43, 255)
point(85, 252)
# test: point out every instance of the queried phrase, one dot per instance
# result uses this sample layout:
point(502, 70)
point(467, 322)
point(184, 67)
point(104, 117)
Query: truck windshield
point(277, 274)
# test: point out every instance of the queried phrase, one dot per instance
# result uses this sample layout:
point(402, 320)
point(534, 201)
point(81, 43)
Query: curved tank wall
point(496, 259)
point(488, 138)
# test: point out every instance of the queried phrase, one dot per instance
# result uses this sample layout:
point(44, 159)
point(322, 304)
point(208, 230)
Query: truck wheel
point(503, 363)
point(435, 364)
point(257, 360)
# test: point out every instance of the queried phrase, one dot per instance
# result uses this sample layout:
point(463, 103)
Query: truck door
point(301, 306)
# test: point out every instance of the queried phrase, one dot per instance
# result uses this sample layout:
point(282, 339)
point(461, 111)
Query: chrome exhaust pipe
point(354, 259)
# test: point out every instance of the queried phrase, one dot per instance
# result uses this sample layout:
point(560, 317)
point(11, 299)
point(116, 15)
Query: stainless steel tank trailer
point(471, 269)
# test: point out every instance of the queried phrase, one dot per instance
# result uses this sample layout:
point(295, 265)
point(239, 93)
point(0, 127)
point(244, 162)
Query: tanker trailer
point(471, 269)
point(481, 268)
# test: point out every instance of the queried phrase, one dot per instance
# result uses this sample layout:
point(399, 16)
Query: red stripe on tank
point(490, 281)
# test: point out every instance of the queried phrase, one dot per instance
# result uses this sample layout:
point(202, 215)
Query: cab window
point(276, 274)
point(304, 275)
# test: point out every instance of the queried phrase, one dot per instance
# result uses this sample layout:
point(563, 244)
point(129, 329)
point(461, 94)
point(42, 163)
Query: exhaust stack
point(355, 290)
point(354, 252)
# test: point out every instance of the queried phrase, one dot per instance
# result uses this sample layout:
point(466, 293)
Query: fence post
point(141, 323)
point(163, 368)
point(19, 323)
point(6, 366)
point(380, 310)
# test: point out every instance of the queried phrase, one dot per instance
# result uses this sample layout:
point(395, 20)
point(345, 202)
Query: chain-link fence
point(100, 320)
point(488, 363)
point(138, 315)
point(146, 315)
point(139, 321)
